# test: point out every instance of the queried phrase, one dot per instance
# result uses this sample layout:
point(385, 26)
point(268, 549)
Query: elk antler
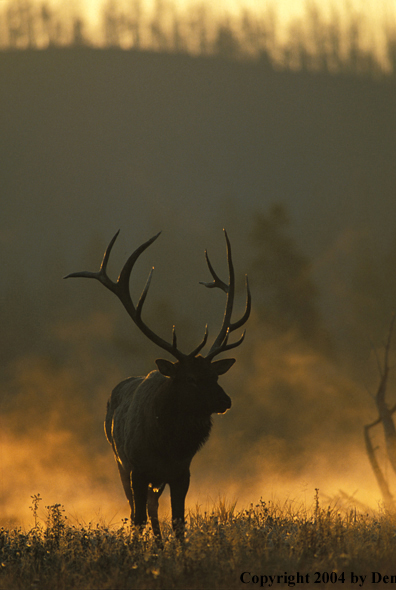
point(221, 342)
point(121, 290)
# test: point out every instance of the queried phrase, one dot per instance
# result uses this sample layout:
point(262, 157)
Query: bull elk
point(157, 423)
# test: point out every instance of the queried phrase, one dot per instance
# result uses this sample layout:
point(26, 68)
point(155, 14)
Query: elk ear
point(222, 366)
point(166, 368)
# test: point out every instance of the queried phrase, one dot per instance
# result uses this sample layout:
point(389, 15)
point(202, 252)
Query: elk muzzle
point(222, 402)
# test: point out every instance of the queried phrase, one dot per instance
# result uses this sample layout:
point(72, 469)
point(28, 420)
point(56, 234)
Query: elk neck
point(183, 428)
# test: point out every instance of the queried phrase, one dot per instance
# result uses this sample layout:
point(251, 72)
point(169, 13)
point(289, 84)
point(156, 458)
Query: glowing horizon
point(286, 19)
point(286, 10)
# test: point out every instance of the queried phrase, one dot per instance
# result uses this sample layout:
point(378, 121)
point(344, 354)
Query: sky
point(373, 15)
point(286, 9)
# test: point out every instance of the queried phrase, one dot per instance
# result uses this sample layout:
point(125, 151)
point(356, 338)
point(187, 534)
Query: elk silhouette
point(157, 423)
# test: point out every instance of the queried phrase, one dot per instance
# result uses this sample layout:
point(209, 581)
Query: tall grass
point(220, 545)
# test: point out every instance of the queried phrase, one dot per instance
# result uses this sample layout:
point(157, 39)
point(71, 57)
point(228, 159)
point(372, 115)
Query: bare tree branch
point(385, 418)
point(382, 483)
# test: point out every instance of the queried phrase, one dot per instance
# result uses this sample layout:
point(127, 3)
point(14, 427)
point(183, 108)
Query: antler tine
point(144, 294)
point(248, 307)
point(125, 274)
point(103, 266)
point(225, 346)
point(121, 289)
point(229, 289)
point(234, 326)
point(101, 275)
point(220, 344)
point(201, 345)
point(217, 282)
point(174, 339)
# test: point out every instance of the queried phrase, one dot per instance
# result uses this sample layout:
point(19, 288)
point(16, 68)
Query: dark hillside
point(92, 140)
point(86, 128)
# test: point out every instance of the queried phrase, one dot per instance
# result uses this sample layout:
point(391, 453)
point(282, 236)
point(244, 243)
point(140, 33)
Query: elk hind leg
point(126, 482)
point(152, 508)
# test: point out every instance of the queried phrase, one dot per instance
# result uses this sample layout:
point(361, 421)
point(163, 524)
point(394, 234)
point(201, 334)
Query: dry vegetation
point(265, 540)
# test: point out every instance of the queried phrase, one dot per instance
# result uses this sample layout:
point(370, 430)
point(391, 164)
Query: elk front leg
point(126, 483)
point(152, 508)
point(178, 490)
point(140, 490)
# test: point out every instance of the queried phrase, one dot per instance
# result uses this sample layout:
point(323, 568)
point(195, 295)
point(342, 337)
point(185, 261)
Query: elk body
point(157, 423)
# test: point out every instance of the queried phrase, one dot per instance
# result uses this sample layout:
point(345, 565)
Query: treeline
point(337, 44)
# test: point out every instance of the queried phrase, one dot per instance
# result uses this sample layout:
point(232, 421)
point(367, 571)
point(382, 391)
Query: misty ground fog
point(300, 169)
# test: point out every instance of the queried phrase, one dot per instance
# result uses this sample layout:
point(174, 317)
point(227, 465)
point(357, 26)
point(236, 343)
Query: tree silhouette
point(285, 294)
point(226, 43)
point(385, 418)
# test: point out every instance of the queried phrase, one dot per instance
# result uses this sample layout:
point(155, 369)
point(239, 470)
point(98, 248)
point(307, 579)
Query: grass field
point(263, 546)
